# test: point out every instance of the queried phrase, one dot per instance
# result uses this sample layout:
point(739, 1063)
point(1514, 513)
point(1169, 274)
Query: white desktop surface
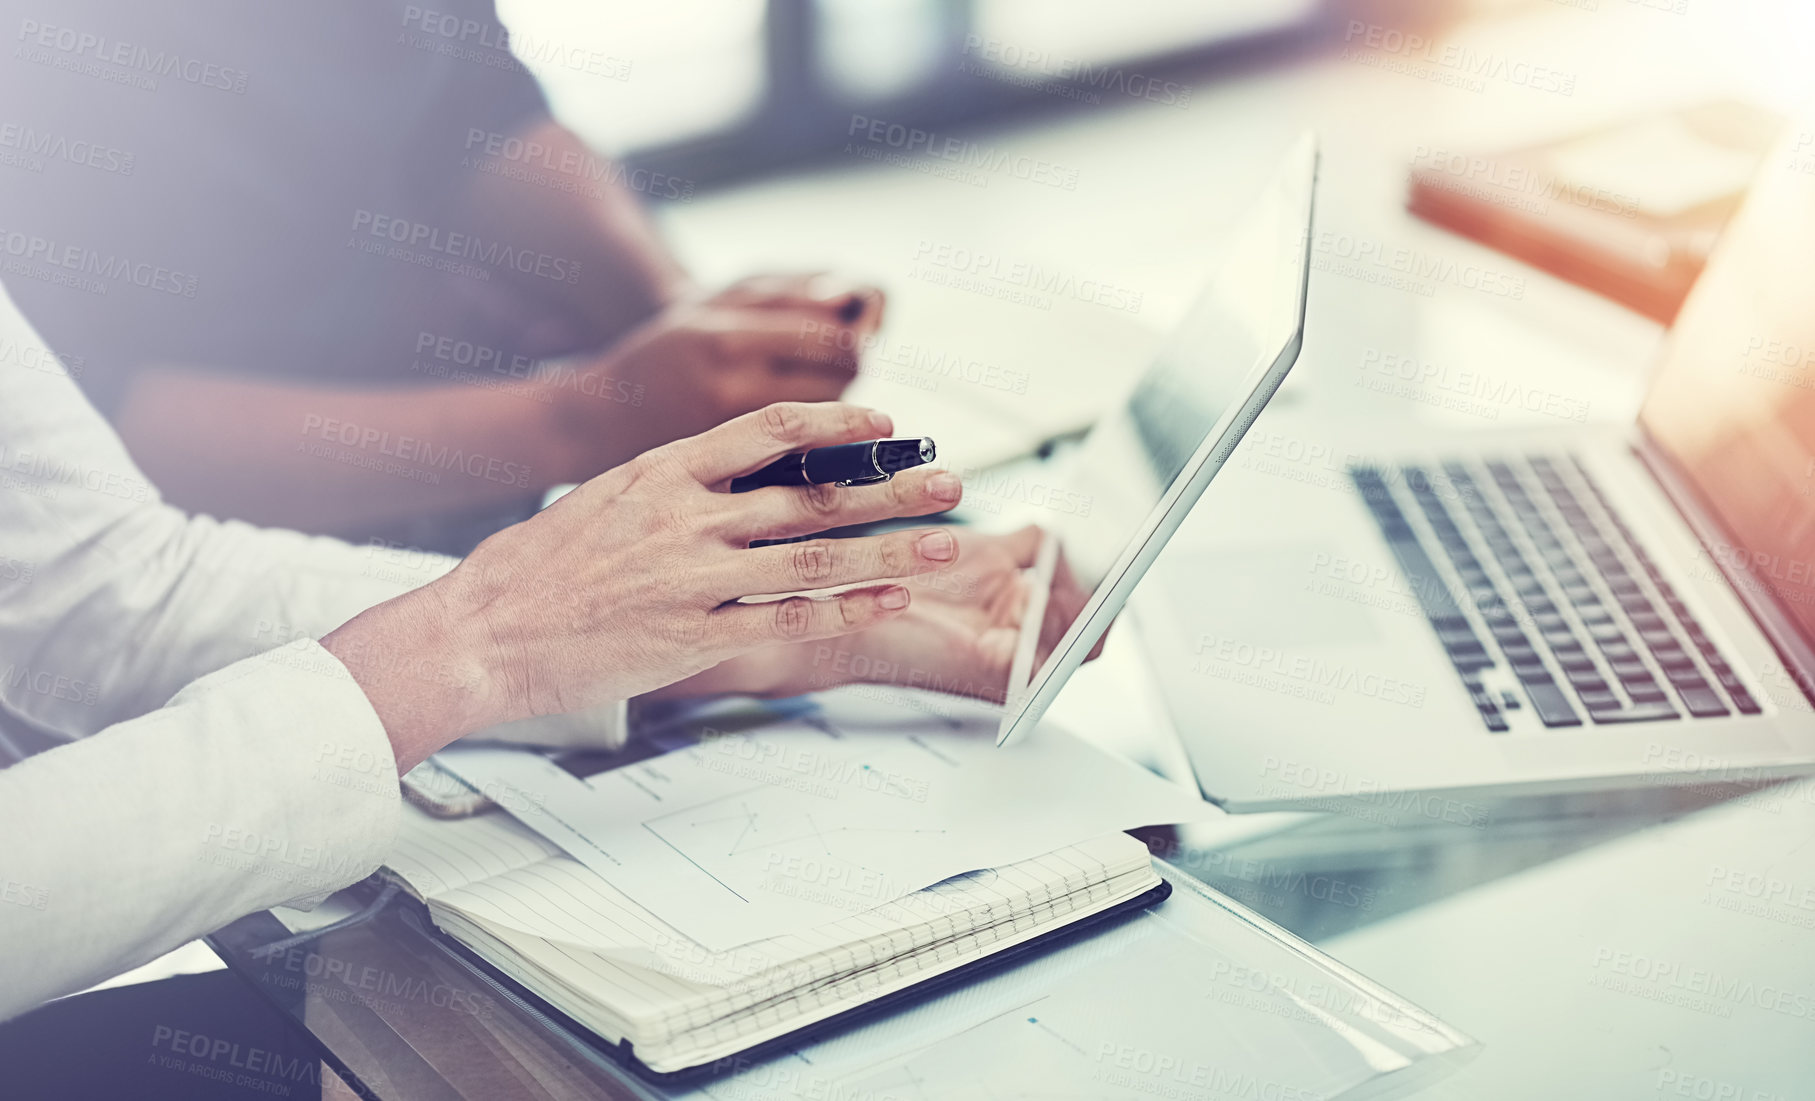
point(1623, 972)
point(1512, 962)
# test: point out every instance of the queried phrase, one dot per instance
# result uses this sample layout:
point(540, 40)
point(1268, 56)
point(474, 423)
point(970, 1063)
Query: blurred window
point(632, 75)
point(713, 88)
point(1127, 30)
point(874, 49)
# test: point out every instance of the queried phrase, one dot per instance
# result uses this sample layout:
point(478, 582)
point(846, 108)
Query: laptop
point(1522, 612)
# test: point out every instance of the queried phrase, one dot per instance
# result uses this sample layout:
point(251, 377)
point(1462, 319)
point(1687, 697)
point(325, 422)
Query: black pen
point(845, 464)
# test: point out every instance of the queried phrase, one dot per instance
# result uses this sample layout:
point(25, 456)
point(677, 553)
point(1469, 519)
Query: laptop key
point(1585, 683)
point(1454, 630)
point(1470, 658)
point(1702, 701)
point(1485, 704)
point(1638, 713)
point(1550, 704)
point(1599, 701)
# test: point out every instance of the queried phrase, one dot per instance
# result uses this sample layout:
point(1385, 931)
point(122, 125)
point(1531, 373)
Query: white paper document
point(779, 830)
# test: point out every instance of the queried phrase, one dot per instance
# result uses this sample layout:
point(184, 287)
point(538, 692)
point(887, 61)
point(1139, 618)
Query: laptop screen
point(1732, 406)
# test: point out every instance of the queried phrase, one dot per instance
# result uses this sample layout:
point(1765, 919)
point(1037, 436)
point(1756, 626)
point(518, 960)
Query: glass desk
point(398, 1015)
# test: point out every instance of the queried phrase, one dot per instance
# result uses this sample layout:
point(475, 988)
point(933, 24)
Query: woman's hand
point(628, 583)
point(959, 637)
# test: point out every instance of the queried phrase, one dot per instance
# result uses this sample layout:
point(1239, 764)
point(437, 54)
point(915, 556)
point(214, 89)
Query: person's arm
point(91, 553)
point(337, 459)
point(269, 782)
point(342, 459)
point(543, 188)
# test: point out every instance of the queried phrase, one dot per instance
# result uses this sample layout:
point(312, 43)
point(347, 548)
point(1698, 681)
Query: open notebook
point(568, 936)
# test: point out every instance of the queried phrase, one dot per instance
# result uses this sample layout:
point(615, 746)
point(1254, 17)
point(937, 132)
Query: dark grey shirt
point(254, 187)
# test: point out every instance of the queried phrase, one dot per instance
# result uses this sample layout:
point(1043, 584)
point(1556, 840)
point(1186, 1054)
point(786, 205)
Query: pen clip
point(848, 482)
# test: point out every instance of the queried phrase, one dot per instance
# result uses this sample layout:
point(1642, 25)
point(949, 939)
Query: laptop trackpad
point(1266, 595)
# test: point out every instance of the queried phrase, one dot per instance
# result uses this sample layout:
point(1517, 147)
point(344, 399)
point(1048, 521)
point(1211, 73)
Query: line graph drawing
point(743, 830)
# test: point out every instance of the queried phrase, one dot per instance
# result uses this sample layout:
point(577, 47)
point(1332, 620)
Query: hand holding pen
point(870, 462)
point(847, 464)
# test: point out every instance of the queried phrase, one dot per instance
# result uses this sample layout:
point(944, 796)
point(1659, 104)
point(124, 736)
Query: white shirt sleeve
point(270, 780)
point(111, 600)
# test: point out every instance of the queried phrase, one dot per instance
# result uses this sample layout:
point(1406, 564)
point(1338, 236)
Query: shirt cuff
point(331, 776)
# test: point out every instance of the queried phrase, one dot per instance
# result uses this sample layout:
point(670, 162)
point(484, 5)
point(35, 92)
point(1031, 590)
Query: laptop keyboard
point(1551, 591)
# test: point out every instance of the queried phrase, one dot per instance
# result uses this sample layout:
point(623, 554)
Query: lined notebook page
point(735, 1033)
point(566, 920)
point(604, 959)
point(438, 855)
point(702, 1036)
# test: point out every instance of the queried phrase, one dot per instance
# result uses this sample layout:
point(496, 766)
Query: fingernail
point(829, 287)
point(938, 546)
point(881, 422)
point(945, 487)
point(894, 598)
